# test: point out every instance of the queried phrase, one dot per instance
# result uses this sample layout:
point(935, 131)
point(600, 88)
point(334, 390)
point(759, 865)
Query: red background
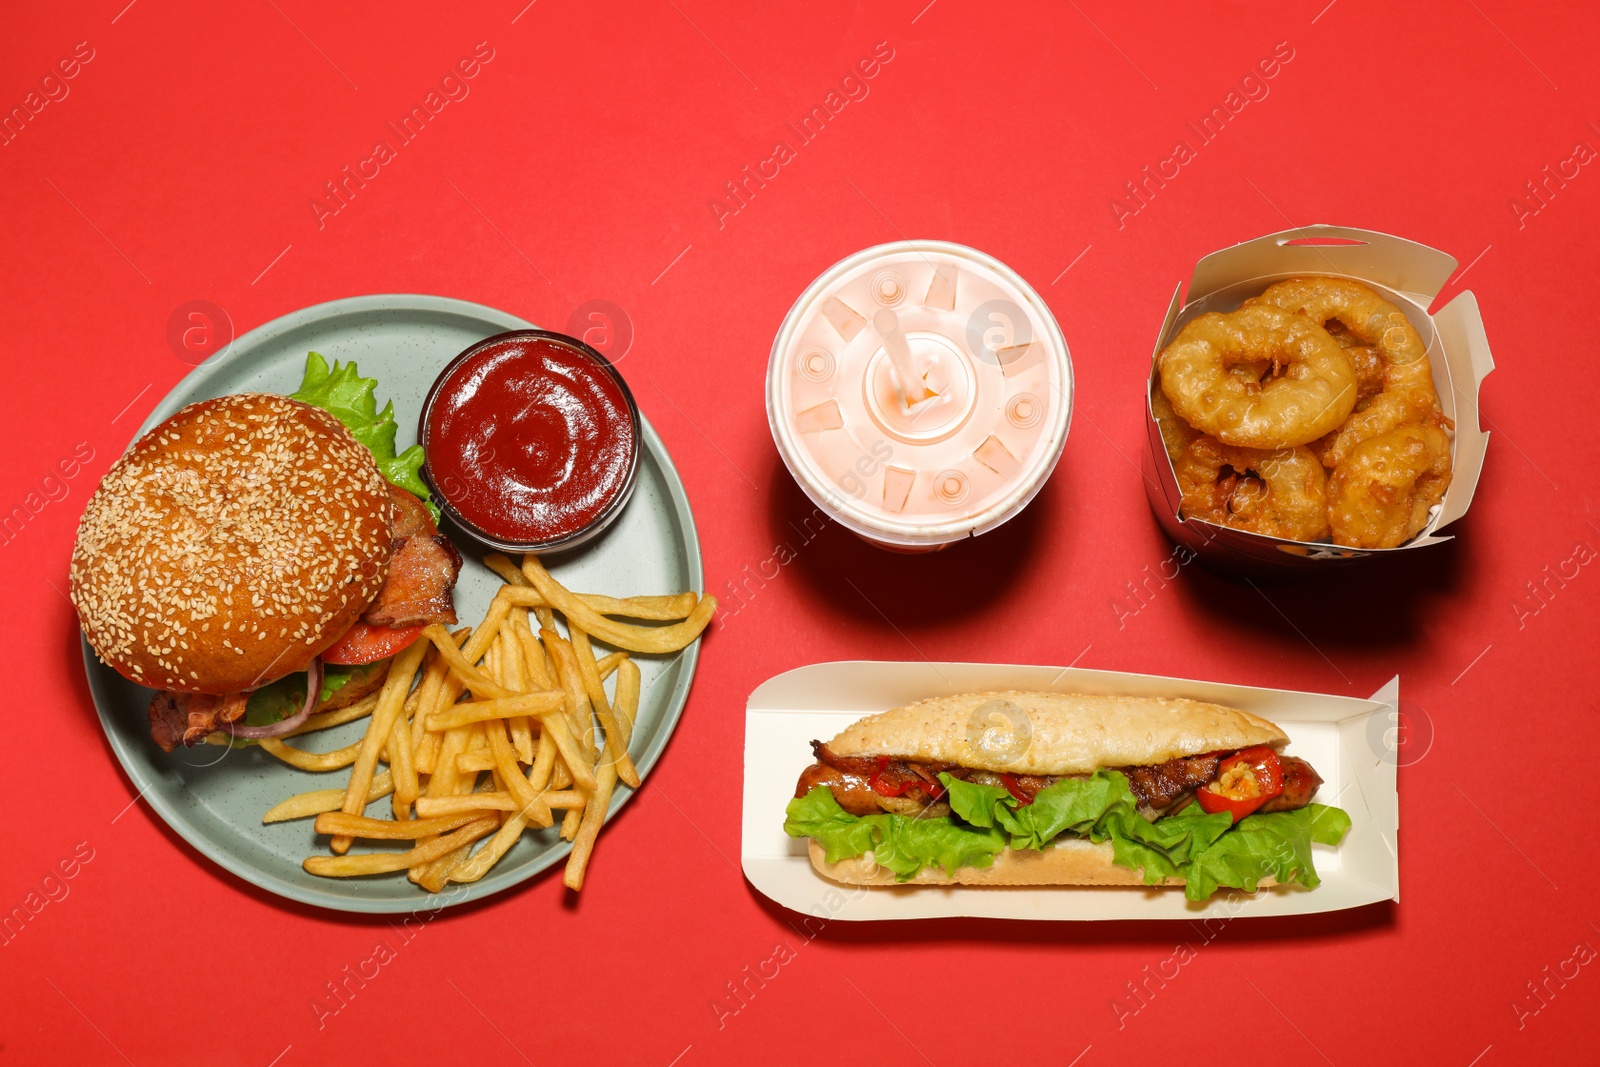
point(180, 167)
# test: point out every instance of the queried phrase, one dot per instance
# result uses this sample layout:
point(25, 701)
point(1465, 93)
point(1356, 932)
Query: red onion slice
point(278, 729)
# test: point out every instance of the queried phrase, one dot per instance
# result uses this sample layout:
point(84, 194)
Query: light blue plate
point(215, 796)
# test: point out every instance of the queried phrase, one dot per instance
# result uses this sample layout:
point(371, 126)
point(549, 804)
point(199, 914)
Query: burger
point(253, 560)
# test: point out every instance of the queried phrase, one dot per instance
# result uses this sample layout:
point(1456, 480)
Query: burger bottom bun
point(1069, 861)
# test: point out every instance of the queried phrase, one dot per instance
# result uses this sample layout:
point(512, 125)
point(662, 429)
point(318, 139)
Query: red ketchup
point(531, 440)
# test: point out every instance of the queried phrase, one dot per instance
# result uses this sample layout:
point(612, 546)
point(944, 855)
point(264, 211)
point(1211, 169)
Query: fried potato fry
point(629, 684)
point(462, 664)
point(337, 822)
point(305, 805)
point(429, 807)
point(588, 671)
point(390, 701)
point(534, 660)
point(507, 570)
point(667, 608)
point(580, 714)
point(514, 676)
point(589, 827)
point(435, 672)
point(624, 636)
point(594, 814)
point(311, 761)
point(384, 862)
point(402, 766)
point(522, 704)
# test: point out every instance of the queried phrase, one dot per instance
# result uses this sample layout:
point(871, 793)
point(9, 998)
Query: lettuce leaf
point(343, 393)
point(902, 845)
point(818, 815)
point(1207, 851)
point(1074, 804)
point(1278, 843)
point(908, 845)
point(1164, 848)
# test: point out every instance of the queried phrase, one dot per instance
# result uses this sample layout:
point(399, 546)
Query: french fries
point(491, 730)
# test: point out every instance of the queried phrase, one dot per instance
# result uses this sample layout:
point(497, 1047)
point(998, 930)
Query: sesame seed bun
point(233, 543)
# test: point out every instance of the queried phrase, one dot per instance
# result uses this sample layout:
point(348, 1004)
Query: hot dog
point(1018, 788)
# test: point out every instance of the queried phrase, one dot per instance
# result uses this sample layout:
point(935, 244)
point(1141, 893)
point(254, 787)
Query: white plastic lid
point(921, 392)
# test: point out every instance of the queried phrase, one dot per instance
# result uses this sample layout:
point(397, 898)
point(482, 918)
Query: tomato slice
point(365, 644)
point(1245, 781)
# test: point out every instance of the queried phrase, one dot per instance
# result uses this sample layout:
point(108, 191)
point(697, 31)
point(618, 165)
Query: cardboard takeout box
point(1408, 274)
point(1348, 741)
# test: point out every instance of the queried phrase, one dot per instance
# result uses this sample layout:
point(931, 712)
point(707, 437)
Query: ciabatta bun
point(1053, 733)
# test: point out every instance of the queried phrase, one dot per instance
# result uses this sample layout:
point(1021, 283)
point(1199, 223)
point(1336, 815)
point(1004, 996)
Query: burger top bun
point(233, 543)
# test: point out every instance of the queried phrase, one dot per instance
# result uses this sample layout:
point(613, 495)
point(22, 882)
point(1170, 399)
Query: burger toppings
point(363, 643)
point(416, 590)
point(283, 726)
point(186, 718)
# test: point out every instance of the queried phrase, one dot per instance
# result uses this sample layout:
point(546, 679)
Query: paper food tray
point(1347, 740)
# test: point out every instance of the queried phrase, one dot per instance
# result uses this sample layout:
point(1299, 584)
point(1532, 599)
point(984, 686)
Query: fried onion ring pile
point(1314, 373)
point(1311, 391)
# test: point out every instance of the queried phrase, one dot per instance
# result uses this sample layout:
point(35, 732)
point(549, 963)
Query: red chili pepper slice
point(1016, 790)
point(1245, 781)
point(880, 785)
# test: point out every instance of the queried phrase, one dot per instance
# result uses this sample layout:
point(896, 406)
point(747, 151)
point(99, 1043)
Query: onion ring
point(283, 726)
point(1175, 433)
point(1313, 395)
point(1407, 396)
point(1380, 494)
point(1279, 493)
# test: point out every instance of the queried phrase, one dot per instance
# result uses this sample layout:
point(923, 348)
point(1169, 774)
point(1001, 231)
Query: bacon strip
point(423, 568)
point(186, 718)
point(416, 591)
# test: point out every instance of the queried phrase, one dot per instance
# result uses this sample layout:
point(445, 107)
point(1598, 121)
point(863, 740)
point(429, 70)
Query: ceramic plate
point(214, 796)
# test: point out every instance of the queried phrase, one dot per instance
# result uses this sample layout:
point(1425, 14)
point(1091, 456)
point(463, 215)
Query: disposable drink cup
point(920, 393)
